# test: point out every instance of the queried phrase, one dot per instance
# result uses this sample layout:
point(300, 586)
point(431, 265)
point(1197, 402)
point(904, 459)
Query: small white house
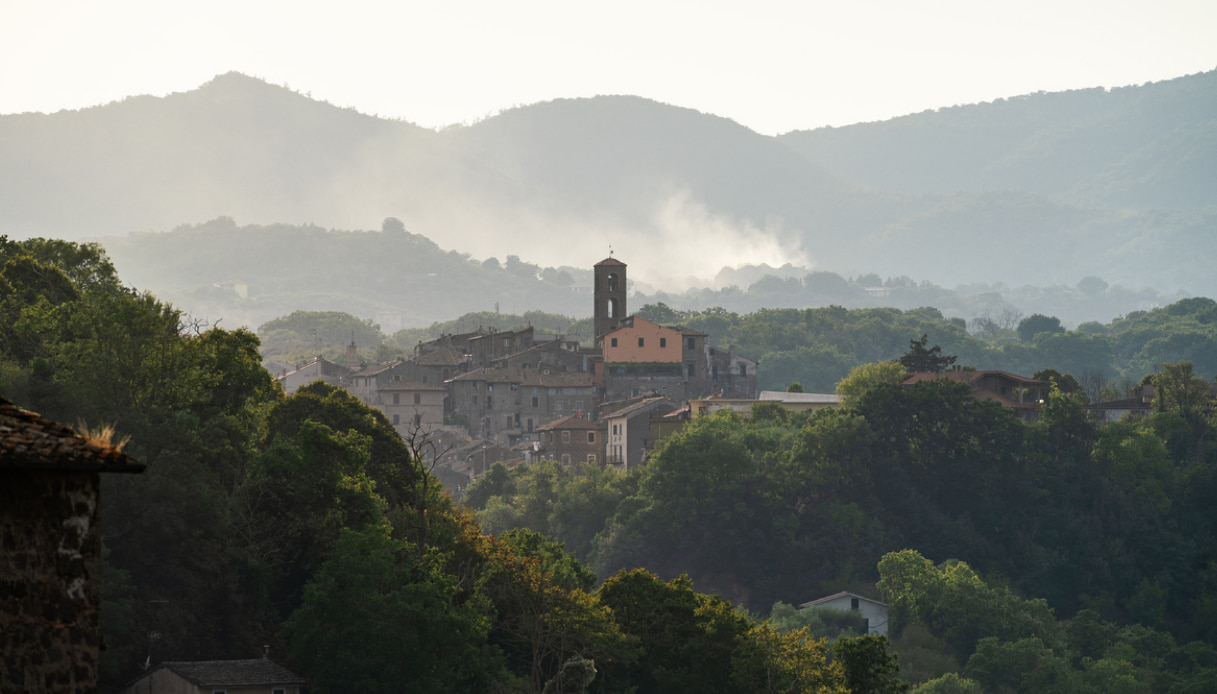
point(873, 611)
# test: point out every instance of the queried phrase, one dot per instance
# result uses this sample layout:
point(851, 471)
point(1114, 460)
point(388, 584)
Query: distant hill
point(1041, 189)
point(1152, 146)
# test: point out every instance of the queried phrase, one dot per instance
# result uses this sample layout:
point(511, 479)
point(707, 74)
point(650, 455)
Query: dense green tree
point(868, 665)
point(919, 359)
point(686, 640)
point(375, 619)
point(869, 376)
point(1038, 323)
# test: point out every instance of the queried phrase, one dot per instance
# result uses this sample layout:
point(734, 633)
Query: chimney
point(266, 651)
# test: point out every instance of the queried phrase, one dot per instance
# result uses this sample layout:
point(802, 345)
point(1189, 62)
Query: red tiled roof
point(30, 442)
point(573, 421)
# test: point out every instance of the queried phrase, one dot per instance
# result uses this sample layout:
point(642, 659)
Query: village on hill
point(516, 397)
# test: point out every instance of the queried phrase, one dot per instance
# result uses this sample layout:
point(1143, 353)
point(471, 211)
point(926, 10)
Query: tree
point(869, 667)
point(376, 620)
point(921, 360)
point(686, 640)
point(1038, 323)
point(867, 377)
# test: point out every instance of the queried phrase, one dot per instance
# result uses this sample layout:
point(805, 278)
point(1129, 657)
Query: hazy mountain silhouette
point(1046, 188)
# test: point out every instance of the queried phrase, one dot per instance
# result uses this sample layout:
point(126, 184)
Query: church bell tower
point(609, 292)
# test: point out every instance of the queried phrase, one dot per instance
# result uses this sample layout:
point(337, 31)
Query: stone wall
point(49, 572)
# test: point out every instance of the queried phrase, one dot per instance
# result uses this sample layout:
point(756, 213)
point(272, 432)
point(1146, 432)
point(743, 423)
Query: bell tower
point(609, 292)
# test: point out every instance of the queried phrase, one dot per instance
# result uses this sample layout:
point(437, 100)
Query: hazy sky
point(773, 66)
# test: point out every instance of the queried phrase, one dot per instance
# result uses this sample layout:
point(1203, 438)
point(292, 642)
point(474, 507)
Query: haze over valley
point(1037, 190)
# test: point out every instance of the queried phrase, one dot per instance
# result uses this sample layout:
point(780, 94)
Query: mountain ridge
point(683, 192)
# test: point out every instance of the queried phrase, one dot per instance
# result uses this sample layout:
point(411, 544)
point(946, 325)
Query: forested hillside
point(1055, 556)
point(247, 275)
point(1148, 146)
point(1095, 543)
point(308, 524)
point(1044, 189)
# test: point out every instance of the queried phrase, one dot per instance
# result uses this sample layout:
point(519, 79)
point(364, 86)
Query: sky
point(769, 65)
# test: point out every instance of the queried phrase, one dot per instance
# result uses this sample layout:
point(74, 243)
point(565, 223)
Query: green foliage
point(821, 622)
point(1038, 323)
point(949, 683)
point(306, 334)
point(869, 667)
point(921, 360)
point(686, 640)
point(953, 602)
point(374, 619)
point(866, 377)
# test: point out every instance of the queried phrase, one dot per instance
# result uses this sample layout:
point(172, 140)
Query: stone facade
point(50, 553)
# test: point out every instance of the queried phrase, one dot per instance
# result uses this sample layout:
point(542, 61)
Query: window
point(558, 406)
point(508, 425)
point(418, 420)
point(489, 402)
point(692, 344)
point(396, 419)
point(663, 342)
point(579, 405)
point(396, 399)
point(475, 400)
point(641, 342)
point(530, 423)
point(853, 603)
point(714, 371)
point(535, 401)
point(591, 457)
point(743, 369)
point(566, 437)
point(612, 283)
point(566, 458)
point(591, 438)
point(689, 368)
point(278, 691)
point(613, 341)
point(418, 398)
point(489, 386)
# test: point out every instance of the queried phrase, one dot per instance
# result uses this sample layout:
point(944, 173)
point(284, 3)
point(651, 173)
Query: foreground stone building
point(50, 553)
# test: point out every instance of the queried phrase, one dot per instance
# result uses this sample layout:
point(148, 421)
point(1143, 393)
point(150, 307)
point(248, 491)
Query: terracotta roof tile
point(29, 441)
point(570, 422)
